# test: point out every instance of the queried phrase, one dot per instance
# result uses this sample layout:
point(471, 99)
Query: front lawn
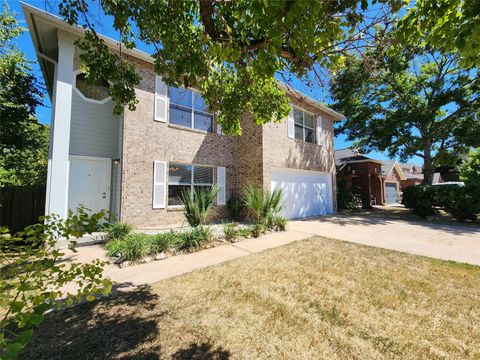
point(312, 299)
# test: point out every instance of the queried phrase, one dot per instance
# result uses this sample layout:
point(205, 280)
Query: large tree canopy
point(447, 25)
point(231, 50)
point(417, 102)
point(24, 142)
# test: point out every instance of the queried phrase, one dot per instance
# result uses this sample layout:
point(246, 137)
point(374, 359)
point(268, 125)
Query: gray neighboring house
point(136, 164)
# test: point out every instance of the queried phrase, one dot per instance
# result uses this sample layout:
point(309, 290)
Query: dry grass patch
point(312, 299)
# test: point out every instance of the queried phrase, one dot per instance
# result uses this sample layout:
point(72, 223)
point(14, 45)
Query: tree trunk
point(428, 167)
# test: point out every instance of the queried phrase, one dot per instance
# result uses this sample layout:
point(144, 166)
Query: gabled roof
point(42, 28)
point(389, 165)
point(348, 155)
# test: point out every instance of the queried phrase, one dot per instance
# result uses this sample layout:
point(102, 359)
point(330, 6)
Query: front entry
point(89, 183)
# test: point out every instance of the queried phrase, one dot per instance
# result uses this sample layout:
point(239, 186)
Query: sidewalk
point(447, 242)
point(154, 271)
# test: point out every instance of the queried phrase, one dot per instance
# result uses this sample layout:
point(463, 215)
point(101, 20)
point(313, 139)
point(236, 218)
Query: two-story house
point(136, 164)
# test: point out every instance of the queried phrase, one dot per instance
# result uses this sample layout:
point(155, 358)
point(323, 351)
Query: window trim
point(192, 184)
point(191, 109)
point(84, 98)
point(313, 128)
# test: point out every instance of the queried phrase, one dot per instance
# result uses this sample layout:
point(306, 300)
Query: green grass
point(312, 299)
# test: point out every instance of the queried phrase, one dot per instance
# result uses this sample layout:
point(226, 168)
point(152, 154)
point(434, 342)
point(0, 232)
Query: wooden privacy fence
point(21, 206)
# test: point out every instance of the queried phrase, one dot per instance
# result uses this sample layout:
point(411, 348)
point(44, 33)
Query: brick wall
point(146, 140)
point(248, 158)
point(281, 151)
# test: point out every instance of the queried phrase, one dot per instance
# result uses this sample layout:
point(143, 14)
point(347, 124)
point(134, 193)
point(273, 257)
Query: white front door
point(89, 183)
point(304, 193)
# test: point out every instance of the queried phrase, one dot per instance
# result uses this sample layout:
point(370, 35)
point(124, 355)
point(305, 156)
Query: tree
point(470, 167)
point(24, 145)
point(447, 25)
point(231, 50)
point(416, 102)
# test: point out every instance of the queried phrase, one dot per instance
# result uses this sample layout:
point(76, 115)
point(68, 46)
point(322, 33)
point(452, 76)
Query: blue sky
point(44, 113)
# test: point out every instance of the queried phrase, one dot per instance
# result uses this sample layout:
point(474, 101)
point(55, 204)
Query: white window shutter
point(319, 130)
point(159, 184)
point(291, 124)
point(161, 100)
point(221, 179)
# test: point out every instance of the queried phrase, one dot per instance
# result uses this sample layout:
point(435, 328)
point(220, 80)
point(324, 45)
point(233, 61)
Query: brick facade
point(247, 158)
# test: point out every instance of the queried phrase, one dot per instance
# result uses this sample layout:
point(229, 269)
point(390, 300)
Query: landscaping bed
point(260, 207)
point(128, 247)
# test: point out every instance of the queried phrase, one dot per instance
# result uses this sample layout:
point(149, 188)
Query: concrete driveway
point(438, 240)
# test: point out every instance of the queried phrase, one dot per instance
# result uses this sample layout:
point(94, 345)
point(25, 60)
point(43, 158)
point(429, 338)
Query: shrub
point(279, 223)
point(193, 239)
point(262, 206)
point(463, 203)
point(197, 204)
point(131, 248)
point(420, 199)
point(258, 229)
point(235, 206)
point(230, 232)
point(245, 232)
point(162, 242)
point(118, 231)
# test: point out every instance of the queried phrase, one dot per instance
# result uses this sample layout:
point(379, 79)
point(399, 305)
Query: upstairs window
point(182, 177)
point(96, 92)
point(304, 125)
point(188, 109)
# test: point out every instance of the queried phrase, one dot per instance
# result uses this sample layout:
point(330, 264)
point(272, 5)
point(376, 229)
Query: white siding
point(94, 129)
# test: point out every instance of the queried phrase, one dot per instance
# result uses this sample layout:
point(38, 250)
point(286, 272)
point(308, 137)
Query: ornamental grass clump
point(131, 248)
point(197, 204)
point(198, 236)
point(118, 231)
point(263, 207)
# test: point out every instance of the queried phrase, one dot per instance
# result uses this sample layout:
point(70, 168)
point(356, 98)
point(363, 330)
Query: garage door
point(304, 193)
point(391, 194)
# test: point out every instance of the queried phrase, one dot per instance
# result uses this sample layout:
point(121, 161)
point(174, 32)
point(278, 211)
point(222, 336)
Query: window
point(98, 92)
point(182, 177)
point(187, 108)
point(304, 125)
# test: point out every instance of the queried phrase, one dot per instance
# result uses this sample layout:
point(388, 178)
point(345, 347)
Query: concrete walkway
point(176, 265)
point(437, 240)
point(448, 242)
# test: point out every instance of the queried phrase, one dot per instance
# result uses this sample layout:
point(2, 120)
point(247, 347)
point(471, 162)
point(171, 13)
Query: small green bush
point(230, 231)
point(198, 236)
point(118, 231)
point(463, 203)
point(245, 232)
point(197, 204)
point(131, 248)
point(420, 199)
point(162, 242)
point(258, 229)
point(279, 223)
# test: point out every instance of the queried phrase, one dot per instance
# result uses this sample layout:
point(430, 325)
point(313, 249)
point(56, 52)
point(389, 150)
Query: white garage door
point(304, 193)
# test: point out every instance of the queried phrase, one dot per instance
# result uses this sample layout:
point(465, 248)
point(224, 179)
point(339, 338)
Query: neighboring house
point(136, 164)
point(413, 174)
point(392, 175)
point(377, 182)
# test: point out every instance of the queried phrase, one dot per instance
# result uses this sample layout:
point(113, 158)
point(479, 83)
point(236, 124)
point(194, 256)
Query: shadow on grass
point(203, 351)
point(121, 326)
